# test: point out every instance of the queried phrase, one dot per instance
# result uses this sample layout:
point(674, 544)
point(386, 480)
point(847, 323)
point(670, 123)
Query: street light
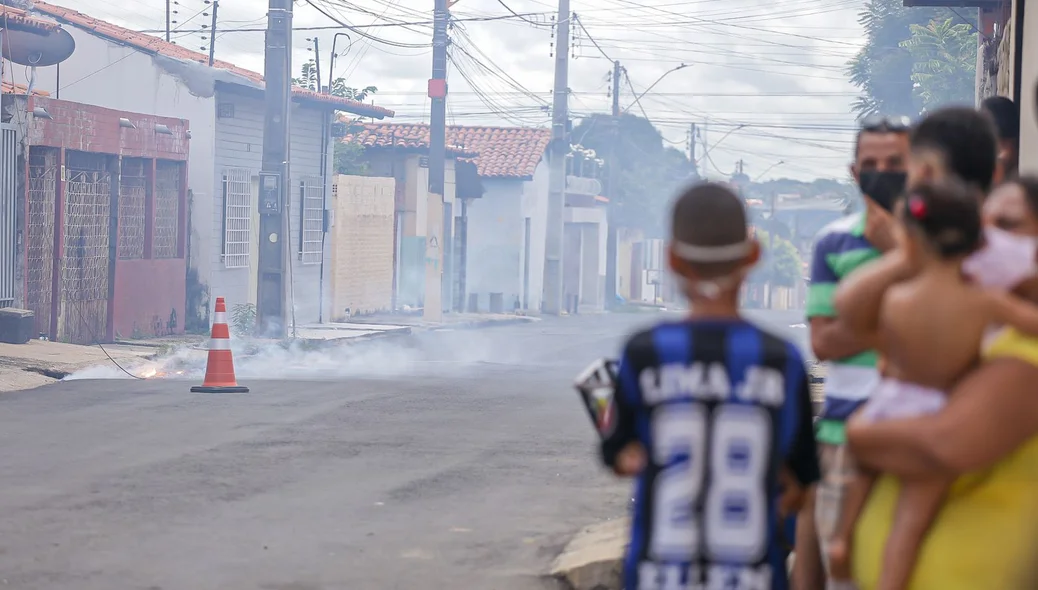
point(653, 85)
point(768, 169)
point(718, 142)
point(331, 66)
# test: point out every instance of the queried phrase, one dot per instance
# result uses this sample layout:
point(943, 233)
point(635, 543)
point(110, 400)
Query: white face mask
point(712, 288)
point(1005, 261)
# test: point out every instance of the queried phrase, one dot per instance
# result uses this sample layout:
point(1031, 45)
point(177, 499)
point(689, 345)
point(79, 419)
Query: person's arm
point(829, 338)
point(860, 297)
point(1006, 308)
point(798, 495)
point(621, 450)
point(802, 457)
point(992, 411)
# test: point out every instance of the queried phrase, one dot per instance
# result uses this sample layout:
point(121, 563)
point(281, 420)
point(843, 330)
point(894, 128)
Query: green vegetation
point(914, 59)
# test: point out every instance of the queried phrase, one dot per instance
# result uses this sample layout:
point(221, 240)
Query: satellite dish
point(37, 48)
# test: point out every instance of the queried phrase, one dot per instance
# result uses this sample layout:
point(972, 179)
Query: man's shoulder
point(841, 236)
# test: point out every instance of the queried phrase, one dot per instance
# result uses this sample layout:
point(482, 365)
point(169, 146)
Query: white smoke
point(456, 352)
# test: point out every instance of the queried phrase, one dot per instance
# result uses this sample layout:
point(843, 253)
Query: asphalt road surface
point(457, 460)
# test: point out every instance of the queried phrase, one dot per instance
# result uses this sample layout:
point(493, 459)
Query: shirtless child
point(929, 328)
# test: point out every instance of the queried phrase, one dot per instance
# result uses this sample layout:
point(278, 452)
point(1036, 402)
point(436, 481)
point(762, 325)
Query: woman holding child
point(985, 531)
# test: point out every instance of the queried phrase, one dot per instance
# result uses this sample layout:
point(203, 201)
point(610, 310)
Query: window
point(237, 219)
point(311, 219)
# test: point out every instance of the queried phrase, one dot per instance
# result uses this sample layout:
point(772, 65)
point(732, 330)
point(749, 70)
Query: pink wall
point(146, 291)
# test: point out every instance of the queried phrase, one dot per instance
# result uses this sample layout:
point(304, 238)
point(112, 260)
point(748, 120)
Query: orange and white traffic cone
point(219, 370)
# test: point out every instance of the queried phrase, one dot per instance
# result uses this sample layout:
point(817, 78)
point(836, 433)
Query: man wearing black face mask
point(879, 167)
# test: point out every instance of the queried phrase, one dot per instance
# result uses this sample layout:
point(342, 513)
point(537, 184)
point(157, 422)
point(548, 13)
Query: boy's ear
point(677, 264)
point(755, 252)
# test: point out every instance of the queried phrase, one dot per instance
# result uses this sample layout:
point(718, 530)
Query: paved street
point(457, 460)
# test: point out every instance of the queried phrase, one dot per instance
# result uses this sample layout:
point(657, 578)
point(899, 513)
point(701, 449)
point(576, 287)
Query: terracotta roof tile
point(17, 18)
point(151, 44)
point(500, 152)
point(9, 88)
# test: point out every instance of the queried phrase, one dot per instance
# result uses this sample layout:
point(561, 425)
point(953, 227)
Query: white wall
point(117, 77)
point(535, 206)
point(495, 243)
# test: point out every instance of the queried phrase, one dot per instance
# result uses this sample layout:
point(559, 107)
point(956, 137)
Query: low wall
point(149, 297)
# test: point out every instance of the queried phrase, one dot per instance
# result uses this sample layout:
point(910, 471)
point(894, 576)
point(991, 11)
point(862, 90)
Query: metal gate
point(83, 312)
point(39, 247)
point(8, 227)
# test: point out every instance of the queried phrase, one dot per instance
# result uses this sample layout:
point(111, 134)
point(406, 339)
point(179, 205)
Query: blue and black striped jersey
point(721, 407)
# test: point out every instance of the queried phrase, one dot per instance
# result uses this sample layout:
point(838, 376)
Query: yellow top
point(985, 535)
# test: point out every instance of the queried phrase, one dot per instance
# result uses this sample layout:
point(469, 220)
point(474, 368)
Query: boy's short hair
point(967, 139)
point(709, 214)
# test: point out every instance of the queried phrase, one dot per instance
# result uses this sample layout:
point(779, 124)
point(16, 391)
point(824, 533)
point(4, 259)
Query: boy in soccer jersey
point(713, 417)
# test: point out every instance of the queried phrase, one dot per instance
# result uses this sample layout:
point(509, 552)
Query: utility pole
point(317, 62)
point(553, 252)
point(212, 35)
point(168, 16)
point(614, 193)
point(271, 300)
point(432, 308)
point(692, 150)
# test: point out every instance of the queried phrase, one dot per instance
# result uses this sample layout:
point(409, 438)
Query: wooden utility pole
point(553, 250)
point(271, 299)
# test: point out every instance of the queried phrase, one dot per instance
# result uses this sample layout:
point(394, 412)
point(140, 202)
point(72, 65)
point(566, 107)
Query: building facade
point(124, 70)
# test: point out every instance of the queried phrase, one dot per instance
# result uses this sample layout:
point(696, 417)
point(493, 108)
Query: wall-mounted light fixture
point(126, 123)
point(41, 113)
point(160, 128)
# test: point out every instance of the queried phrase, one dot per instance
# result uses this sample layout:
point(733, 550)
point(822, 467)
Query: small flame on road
point(149, 373)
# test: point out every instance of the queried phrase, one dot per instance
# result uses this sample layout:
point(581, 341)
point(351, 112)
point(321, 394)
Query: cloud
point(777, 69)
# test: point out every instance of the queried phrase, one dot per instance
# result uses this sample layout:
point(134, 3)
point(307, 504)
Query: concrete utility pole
point(692, 150)
point(614, 193)
point(432, 308)
point(552, 294)
point(271, 298)
point(168, 16)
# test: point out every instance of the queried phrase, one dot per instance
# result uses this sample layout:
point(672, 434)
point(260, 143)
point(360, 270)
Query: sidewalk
point(39, 362)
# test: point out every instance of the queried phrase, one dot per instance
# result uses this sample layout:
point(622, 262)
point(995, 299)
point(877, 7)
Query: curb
point(477, 324)
point(593, 559)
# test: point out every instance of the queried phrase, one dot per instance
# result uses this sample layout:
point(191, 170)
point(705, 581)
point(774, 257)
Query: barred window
point(133, 192)
point(311, 219)
point(237, 219)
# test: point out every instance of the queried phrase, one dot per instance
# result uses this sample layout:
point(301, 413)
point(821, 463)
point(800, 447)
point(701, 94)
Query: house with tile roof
point(505, 229)
point(121, 69)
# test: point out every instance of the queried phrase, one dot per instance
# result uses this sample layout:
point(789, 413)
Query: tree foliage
point(907, 66)
point(308, 79)
point(780, 262)
point(648, 172)
point(945, 56)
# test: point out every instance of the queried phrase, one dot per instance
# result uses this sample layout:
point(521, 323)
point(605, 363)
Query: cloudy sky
point(765, 79)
